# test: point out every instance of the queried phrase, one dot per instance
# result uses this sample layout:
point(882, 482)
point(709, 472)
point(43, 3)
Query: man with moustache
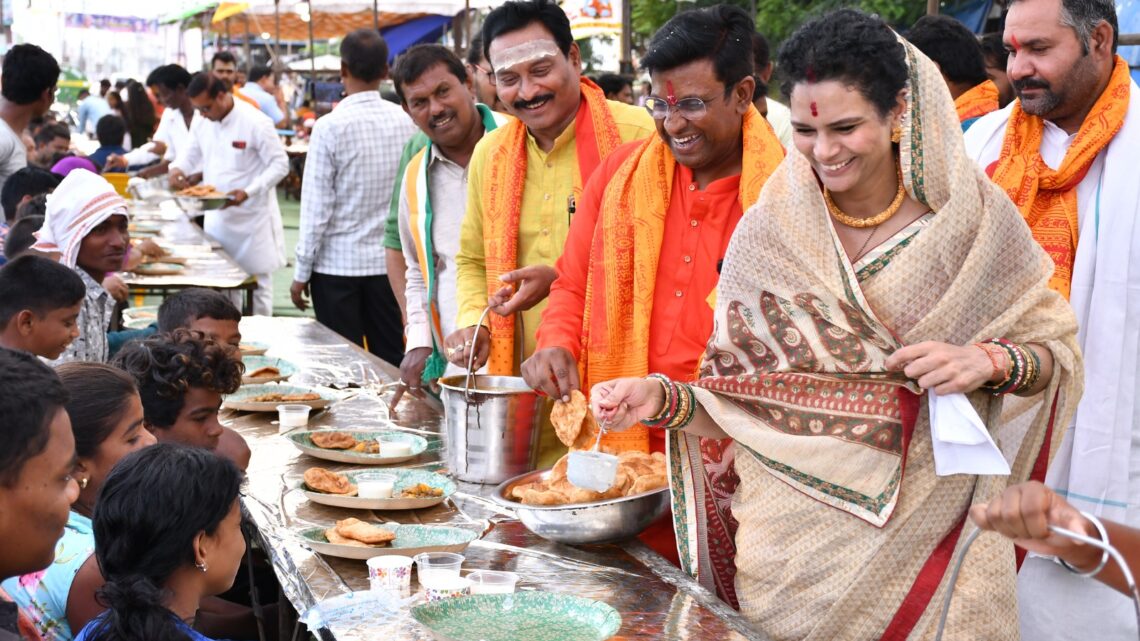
point(1065, 153)
point(238, 152)
point(675, 199)
point(526, 177)
point(349, 178)
point(436, 91)
point(86, 227)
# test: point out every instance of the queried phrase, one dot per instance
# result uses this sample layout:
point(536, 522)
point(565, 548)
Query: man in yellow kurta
point(525, 178)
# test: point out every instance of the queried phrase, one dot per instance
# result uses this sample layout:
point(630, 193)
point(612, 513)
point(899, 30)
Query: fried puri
point(322, 480)
point(567, 417)
point(364, 532)
point(332, 440)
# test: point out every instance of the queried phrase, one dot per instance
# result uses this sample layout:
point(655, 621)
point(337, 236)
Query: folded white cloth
point(962, 444)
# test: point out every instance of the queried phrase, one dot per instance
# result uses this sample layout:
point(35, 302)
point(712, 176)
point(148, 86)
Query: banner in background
point(123, 24)
point(593, 17)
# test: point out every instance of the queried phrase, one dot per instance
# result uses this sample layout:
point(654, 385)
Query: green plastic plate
point(304, 442)
point(404, 478)
point(534, 616)
point(410, 541)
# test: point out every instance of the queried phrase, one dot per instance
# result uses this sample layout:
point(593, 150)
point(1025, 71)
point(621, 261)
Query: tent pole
point(375, 15)
point(312, 59)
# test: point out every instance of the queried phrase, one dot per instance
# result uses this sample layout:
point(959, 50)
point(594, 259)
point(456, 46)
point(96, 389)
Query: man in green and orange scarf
point(525, 179)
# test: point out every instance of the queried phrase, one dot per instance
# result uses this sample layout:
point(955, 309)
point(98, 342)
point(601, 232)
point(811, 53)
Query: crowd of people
point(808, 307)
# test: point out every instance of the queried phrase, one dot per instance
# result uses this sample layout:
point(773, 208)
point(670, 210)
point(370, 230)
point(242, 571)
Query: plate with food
point(139, 227)
point(522, 615)
point(266, 369)
point(266, 398)
point(159, 269)
point(411, 490)
point(207, 196)
point(356, 539)
point(251, 348)
point(140, 317)
point(363, 447)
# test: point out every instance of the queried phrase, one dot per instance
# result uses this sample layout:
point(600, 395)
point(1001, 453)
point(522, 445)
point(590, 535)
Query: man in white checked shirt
point(349, 176)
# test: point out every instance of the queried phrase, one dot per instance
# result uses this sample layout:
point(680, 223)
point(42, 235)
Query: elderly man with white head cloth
point(86, 225)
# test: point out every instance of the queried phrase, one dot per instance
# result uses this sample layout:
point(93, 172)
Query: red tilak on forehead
point(669, 95)
point(1013, 40)
point(814, 110)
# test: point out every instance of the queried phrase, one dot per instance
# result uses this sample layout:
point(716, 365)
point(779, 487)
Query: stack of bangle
point(679, 408)
point(1022, 371)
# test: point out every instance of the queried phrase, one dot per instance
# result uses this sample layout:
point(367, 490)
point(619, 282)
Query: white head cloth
point(80, 203)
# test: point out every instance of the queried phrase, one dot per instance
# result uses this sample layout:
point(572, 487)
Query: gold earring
point(896, 134)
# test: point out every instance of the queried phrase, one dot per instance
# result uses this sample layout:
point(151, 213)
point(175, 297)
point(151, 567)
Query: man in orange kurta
point(644, 249)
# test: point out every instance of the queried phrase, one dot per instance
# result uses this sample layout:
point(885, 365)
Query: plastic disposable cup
point(492, 582)
point(437, 565)
point(375, 485)
point(391, 572)
point(395, 448)
point(440, 588)
point(592, 470)
point(292, 416)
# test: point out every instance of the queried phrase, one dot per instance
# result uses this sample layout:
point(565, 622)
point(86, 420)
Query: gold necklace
point(873, 221)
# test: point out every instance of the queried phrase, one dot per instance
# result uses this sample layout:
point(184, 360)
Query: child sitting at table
point(182, 377)
point(167, 535)
point(39, 306)
point(203, 310)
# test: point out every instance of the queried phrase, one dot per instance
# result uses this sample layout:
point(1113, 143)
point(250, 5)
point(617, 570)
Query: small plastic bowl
point(433, 566)
point(375, 485)
point(492, 582)
point(290, 417)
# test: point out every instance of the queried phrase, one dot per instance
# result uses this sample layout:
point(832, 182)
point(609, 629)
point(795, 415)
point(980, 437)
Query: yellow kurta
point(551, 179)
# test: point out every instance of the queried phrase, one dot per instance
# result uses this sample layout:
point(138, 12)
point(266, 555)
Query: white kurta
point(1098, 464)
point(173, 132)
point(242, 151)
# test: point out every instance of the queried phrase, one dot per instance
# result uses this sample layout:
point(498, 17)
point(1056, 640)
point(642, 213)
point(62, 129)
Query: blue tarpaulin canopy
point(402, 36)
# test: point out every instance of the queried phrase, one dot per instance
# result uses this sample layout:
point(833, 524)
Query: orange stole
point(1046, 197)
point(978, 101)
point(595, 136)
point(625, 253)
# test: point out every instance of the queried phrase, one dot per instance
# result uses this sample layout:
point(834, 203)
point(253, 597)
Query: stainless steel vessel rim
point(498, 497)
point(522, 389)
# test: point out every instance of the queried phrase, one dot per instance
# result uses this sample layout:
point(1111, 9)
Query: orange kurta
point(698, 225)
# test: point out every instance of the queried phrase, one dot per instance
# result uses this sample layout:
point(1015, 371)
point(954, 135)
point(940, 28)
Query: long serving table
point(207, 264)
point(656, 600)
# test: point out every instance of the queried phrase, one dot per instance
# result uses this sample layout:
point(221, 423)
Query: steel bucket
point(491, 427)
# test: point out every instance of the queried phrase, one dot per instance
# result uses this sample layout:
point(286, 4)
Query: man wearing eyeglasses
point(481, 76)
point(654, 222)
point(237, 150)
point(525, 179)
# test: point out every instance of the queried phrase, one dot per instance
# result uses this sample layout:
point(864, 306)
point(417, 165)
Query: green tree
point(776, 19)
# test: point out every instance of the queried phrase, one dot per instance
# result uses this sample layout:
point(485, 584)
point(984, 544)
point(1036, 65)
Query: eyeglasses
point(690, 108)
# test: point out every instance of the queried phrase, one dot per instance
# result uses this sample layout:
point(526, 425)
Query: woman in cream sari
point(878, 264)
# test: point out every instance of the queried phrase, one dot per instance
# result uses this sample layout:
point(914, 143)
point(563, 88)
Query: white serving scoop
point(592, 470)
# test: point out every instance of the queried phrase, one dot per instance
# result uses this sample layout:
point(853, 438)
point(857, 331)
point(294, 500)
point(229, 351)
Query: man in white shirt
point(262, 88)
point(349, 176)
point(172, 136)
point(240, 154)
point(437, 93)
point(27, 89)
point(1065, 153)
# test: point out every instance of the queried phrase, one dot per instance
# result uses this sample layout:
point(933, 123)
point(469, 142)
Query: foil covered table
point(655, 599)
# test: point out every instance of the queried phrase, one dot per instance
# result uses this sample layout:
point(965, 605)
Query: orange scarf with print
point(595, 136)
point(625, 253)
point(1047, 198)
point(977, 102)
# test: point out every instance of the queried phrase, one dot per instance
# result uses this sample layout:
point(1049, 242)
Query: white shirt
point(350, 174)
point(780, 117)
point(242, 151)
point(173, 132)
point(1097, 466)
point(13, 152)
point(447, 186)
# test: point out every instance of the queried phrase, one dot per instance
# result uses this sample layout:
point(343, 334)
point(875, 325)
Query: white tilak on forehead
point(526, 52)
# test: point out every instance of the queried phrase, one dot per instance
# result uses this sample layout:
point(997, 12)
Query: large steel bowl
point(600, 522)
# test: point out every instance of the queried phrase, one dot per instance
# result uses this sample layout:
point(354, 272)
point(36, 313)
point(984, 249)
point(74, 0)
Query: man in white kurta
point(240, 154)
point(168, 83)
point(1097, 466)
